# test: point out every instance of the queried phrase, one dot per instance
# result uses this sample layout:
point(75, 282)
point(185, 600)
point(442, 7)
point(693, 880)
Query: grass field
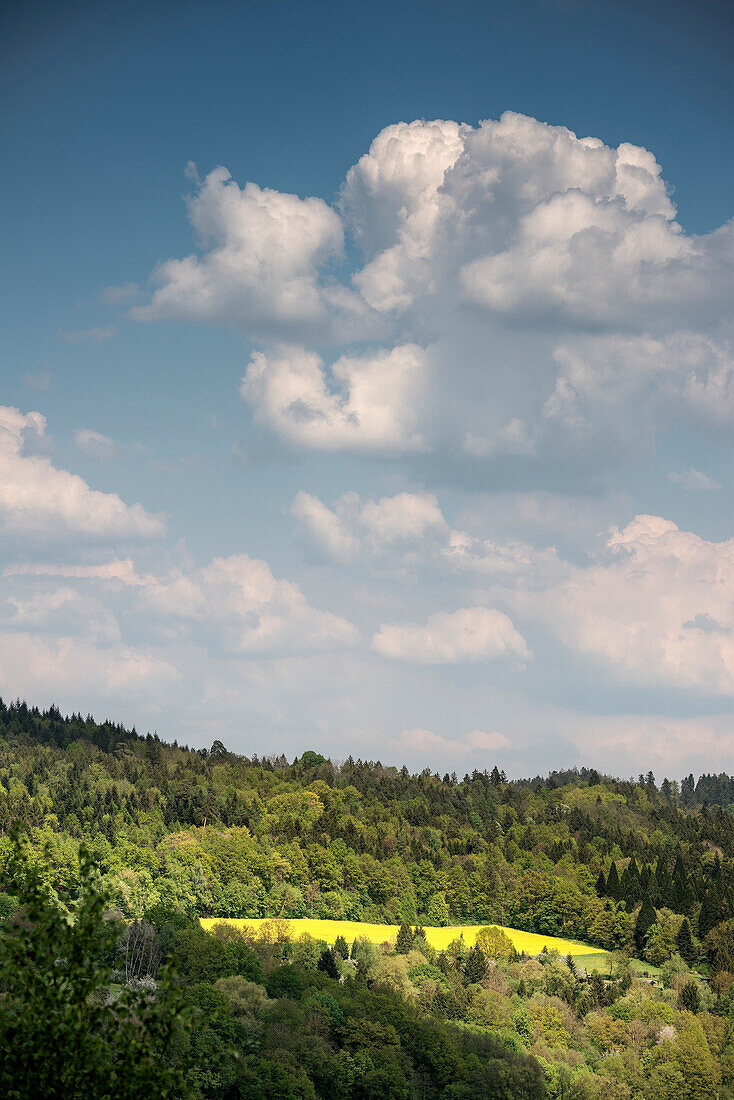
point(532, 943)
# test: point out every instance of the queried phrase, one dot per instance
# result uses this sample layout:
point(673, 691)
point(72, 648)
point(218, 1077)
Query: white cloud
point(404, 523)
point(239, 605)
point(37, 499)
point(401, 517)
point(658, 610)
point(466, 234)
point(262, 254)
point(636, 382)
point(469, 635)
point(94, 444)
point(38, 667)
point(327, 529)
point(365, 403)
point(119, 569)
point(693, 480)
point(465, 552)
point(410, 528)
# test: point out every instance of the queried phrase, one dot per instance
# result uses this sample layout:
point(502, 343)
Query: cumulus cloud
point(410, 528)
point(262, 252)
point(239, 604)
point(354, 526)
point(364, 403)
point(462, 236)
point(658, 609)
point(469, 635)
point(39, 500)
point(685, 376)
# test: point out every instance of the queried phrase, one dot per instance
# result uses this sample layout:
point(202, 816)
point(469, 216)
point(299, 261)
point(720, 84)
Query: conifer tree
point(340, 947)
point(404, 942)
point(476, 965)
point(684, 942)
point(327, 963)
point(601, 885)
point(645, 920)
point(613, 888)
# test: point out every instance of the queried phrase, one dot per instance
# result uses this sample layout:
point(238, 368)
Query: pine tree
point(684, 942)
point(645, 920)
point(601, 885)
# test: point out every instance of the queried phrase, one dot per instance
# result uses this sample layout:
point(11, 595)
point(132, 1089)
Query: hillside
point(216, 834)
point(323, 922)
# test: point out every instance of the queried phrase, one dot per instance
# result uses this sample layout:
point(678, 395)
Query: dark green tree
point(689, 998)
point(404, 942)
point(684, 942)
point(340, 947)
point(475, 966)
point(327, 963)
point(613, 888)
point(645, 920)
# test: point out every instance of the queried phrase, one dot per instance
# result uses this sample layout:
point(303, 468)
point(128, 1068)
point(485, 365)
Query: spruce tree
point(684, 942)
point(601, 885)
point(645, 920)
point(476, 965)
point(340, 947)
point(327, 963)
point(404, 942)
point(613, 887)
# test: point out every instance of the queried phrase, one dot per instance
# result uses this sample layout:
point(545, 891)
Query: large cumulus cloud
point(502, 287)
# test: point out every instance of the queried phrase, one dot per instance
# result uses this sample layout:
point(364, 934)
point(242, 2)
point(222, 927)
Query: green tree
point(689, 998)
point(475, 966)
point(61, 1036)
point(404, 942)
point(328, 964)
point(438, 911)
point(684, 942)
point(645, 920)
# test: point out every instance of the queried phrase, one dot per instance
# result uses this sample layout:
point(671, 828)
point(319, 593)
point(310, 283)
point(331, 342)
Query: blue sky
point(363, 474)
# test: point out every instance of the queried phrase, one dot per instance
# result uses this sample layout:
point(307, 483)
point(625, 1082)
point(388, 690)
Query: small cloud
point(121, 295)
point(94, 444)
point(89, 335)
point(693, 481)
point(41, 382)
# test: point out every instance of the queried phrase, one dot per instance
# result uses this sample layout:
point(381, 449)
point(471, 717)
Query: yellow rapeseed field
point(532, 943)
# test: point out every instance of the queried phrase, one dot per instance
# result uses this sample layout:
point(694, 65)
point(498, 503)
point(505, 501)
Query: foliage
point(61, 1035)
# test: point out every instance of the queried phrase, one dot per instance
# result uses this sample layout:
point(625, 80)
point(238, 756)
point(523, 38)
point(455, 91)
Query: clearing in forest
point(532, 943)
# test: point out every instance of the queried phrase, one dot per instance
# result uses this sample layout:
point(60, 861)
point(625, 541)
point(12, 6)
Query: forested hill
point(216, 834)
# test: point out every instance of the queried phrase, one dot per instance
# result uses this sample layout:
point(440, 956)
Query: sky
point(367, 377)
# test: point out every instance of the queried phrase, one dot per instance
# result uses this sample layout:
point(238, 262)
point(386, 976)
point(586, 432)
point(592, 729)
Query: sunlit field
point(532, 943)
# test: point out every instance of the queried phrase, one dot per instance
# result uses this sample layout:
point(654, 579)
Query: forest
point(162, 835)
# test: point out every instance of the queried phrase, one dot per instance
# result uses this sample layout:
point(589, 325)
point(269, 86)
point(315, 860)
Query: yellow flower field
point(531, 943)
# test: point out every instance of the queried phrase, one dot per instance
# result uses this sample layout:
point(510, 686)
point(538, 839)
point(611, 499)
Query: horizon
point(368, 380)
